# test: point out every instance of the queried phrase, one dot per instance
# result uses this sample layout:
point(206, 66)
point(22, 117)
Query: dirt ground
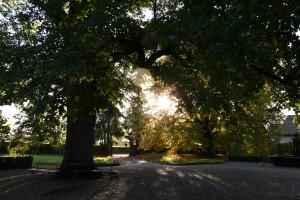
point(144, 180)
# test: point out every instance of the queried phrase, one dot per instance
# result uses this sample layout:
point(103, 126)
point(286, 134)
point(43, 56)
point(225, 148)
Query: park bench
point(39, 168)
point(76, 168)
point(81, 167)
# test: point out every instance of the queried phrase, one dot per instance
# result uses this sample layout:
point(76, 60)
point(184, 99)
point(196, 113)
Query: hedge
point(248, 158)
point(287, 161)
point(45, 149)
point(16, 162)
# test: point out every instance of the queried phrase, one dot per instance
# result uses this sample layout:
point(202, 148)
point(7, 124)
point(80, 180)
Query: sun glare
point(162, 103)
point(156, 103)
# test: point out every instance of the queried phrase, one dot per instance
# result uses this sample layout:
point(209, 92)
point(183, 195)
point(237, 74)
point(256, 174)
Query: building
point(290, 130)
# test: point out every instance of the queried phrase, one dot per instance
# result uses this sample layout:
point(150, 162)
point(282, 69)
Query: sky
point(9, 111)
point(156, 102)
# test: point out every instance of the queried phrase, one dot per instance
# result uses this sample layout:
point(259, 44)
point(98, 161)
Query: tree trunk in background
point(133, 145)
point(208, 135)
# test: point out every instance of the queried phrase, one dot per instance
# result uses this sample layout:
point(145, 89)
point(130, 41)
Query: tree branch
point(156, 55)
point(131, 47)
point(267, 74)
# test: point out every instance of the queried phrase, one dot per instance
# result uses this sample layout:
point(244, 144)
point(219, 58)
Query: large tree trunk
point(81, 119)
point(78, 155)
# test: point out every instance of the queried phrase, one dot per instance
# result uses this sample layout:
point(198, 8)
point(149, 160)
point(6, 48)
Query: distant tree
point(4, 131)
point(108, 125)
point(168, 133)
point(41, 128)
point(135, 121)
point(254, 128)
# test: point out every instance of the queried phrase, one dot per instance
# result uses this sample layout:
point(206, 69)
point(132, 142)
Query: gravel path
point(144, 180)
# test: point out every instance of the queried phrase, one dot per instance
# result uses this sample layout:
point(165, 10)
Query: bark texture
point(78, 155)
point(81, 119)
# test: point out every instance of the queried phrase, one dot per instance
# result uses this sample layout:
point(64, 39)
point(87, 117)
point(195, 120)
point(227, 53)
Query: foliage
point(4, 130)
point(254, 128)
point(58, 59)
point(285, 149)
point(134, 123)
point(203, 48)
point(108, 126)
point(18, 147)
point(72, 58)
point(165, 132)
point(135, 116)
point(41, 128)
point(35, 131)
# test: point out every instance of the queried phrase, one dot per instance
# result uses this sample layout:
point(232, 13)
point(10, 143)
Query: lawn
point(47, 159)
point(57, 159)
point(53, 159)
point(179, 159)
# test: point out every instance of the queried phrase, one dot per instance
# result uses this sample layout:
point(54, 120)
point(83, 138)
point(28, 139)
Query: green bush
point(285, 149)
point(45, 149)
point(18, 149)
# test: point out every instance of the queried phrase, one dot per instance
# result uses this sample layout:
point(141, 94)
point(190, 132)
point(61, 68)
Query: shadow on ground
point(143, 180)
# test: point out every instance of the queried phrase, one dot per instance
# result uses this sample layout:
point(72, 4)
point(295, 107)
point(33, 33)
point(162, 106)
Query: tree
point(236, 40)
point(58, 59)
point(211, 100)
point(246, 38)
point(40, 129)
point(168, 133)
point(4, 132)
point(108, 125)
point(135, 122)
point(71, 57)
point(227, 43)
point(68, 57)
point(254, 128)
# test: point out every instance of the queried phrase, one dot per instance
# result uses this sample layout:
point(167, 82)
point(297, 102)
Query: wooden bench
point(39, 168)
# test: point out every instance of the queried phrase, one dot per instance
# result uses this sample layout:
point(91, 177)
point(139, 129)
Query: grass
point(53, 159)
point(57, 159)
point(179, 159)
point(165, 158)
point(47, 159)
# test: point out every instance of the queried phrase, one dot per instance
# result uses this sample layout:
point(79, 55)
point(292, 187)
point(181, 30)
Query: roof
point(289, 126)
